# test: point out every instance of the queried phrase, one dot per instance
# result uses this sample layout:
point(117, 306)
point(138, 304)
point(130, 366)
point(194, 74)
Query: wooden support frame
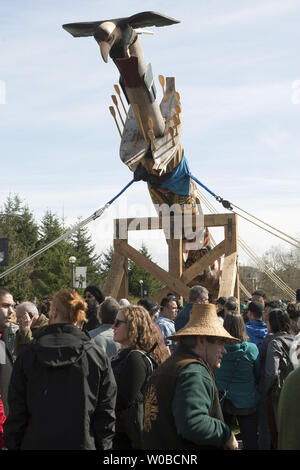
point(175, 279)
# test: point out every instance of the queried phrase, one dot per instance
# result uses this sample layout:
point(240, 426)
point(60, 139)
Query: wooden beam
point(115, 276)
point(175, 256)
point(229, 275)
point(161, 294)
point(231, 234)
point(203, 263)
point(123, 290)
point(157, 223)
point(175, 285)
point(216, 220)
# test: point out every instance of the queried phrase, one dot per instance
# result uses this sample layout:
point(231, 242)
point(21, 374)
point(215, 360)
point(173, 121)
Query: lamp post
point(72, 261)
point(142, 289)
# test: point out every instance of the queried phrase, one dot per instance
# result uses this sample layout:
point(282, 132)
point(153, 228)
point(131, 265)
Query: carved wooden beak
point(106, 35)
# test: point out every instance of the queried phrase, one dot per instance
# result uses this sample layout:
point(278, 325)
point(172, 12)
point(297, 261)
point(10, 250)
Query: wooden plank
point(115, 275)
point(161, 294)
point(156, 223)
point(216, 220)
point(237, 283)
point(231, 235)
point(203, 263)
point(229, 274)
point(123, 290)
point(175, 285)
point(175, 257)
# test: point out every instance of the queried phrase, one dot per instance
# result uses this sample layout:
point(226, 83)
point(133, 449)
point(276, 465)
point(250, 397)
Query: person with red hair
point(62, 391)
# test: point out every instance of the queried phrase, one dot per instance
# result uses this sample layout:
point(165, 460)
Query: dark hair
point(149, 304)
point(235, 325)
point(230, 305)
point(108, 310)
point(44, 306)
point(261, 293)
point(279, 321)
point(165, 301)
point(257, 308)
point(96, 292)
point(221, 300)
point(273, 304)
point(293, 309)
point(4, 291)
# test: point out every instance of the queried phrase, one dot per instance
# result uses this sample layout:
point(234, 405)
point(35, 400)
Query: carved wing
point(78, 30)
point(140, 20)
point(149, 18)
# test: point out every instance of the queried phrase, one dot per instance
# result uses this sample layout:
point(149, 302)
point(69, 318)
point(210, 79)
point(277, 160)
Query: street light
point(142, 284)
point(72, 261)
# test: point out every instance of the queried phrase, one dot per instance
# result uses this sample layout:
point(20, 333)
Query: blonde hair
point(70, 306)
point(142, 333)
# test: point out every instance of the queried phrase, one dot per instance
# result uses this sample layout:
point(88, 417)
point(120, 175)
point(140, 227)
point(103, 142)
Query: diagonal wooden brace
point(174, 284)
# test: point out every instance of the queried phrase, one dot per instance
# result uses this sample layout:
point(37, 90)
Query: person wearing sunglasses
point(139, 355)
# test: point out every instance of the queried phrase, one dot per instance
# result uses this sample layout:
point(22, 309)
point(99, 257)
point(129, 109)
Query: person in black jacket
point(140, 352)
point(62, 392)
point(7, 338)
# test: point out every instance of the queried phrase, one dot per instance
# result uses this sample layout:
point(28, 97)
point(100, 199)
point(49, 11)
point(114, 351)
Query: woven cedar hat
point(204, 321)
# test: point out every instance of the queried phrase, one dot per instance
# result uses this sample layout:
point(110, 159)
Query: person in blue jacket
point(237, 378)
point(256, 328)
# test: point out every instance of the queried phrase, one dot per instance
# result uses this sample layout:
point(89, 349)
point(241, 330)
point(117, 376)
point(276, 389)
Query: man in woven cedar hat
point(182, 408)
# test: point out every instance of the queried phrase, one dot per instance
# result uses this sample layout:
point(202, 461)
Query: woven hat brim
point(204, 322)
point(222, 334)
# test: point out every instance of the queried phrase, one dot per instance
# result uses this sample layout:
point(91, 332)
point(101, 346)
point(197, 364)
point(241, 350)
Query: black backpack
point(285, 367)
point(132, 417)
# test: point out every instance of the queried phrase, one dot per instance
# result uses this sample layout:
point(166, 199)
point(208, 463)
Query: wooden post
point(115, 276)
point(175, 253)
point(229, 280)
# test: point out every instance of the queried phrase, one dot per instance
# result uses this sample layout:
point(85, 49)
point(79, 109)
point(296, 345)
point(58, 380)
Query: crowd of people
point(93, 373)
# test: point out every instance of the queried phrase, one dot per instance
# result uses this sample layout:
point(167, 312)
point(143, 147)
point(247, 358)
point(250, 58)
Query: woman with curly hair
point(140, 353)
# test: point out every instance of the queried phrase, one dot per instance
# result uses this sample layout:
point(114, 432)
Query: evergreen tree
point(52, 268)
point(84, 251)
point(18, 225)
point(137, 273)
point(105, 259)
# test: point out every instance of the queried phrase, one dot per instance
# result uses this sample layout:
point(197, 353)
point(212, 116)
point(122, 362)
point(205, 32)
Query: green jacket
point(289, 413)
point(27, 334)
point(182, 409)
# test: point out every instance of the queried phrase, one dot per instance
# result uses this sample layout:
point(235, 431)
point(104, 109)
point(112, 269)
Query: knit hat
point(96, 292)
point(204, 321)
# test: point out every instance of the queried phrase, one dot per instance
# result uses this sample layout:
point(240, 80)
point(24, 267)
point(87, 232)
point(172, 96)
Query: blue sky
point(235, 64)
